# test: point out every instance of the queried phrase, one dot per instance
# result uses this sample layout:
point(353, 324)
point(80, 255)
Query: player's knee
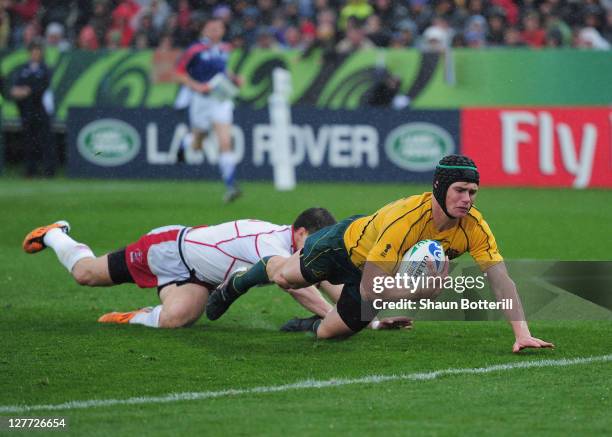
point(177, 317)
point(324, 332)
point(84, 275)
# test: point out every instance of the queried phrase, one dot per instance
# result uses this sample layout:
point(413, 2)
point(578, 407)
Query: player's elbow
point(281, 280)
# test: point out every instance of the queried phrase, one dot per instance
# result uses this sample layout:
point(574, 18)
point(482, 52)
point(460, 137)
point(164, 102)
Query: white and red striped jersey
point(215, 252)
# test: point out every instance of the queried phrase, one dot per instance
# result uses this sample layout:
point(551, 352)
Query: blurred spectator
point(405, 35)
point(476, 31)
point(265, 39)
point(88, 40)
point(437, 37)
point(293, 39)
point(533, 34)
point(590, 38)
point(31, 82)
point(389, 12)
point(266, 11)
point(99, 23)
point(249, 25)
point(355, 39)
point(146, 36)
point(5, 26)
point(375, 32)
point(550, 23)
point(54, 37)
point(513, 38)
point(420, 14)
point(359, 9)
point(122, 25)
point(496, 26)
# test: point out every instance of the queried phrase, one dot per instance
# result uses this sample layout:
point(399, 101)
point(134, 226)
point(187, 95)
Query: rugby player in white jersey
point(184, 263)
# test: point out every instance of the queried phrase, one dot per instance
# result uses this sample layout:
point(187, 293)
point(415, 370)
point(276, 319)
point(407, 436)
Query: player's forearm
point(188, 81)
point(504, 288)
point(311, 299)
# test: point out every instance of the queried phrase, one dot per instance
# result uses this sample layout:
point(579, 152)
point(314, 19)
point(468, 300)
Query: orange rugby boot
point(117, 317)
point(33, 242)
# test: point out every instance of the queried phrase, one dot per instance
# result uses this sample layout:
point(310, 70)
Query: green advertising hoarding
point(493, 77)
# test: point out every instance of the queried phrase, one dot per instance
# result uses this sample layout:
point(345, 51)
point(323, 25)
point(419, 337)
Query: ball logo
point(418, 146)
point(108, 142)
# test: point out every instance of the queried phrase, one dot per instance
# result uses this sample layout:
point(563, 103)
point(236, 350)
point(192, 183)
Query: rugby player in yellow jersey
point(358, 249)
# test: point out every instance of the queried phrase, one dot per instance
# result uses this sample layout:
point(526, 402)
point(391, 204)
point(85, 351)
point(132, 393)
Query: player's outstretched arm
point(504, 288)
point(311, 299)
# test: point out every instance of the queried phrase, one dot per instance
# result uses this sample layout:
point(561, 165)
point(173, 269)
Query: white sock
point(227, 166)
point(67, 250)
point(148, 318)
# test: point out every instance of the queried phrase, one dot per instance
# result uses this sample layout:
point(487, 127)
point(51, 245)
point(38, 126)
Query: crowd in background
point(339, 25)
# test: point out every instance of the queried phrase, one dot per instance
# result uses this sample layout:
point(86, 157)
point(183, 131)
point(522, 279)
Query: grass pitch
point(53, 351)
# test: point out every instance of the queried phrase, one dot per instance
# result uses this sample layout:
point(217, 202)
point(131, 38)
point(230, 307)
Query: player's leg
point(285, 272)
point(347, 317)
point(197, 138)
point(199, 120)
point(76, 257)
point(182, 305)
point(222, 118)
point(93, 272)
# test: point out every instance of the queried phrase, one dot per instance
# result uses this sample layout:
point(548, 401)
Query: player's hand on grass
point(529, 342)
point(396, 322)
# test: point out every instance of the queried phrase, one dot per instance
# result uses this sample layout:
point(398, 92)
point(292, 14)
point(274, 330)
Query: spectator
point(359, 9)
point(54, 37)
point(533, 34)
point(420, 14)
point(513, 38)
point(5, 27)
point(88, 40)
point(496, 25)
point(355, 39)
point(476, 31)
point(31, 82)
point(437, 37)
point(389, 12)
point(100, 23)
point(249, 25)
point(406, 34)
point(590, 38)
point(146, 36)
point(375, 32)
point(293, 39)
point(554, 23)
point(265, 39)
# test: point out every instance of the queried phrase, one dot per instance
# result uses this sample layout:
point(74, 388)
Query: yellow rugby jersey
point(385, 236)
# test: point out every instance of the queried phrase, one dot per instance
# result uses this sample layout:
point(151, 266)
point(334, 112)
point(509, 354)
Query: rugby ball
point(414, 262)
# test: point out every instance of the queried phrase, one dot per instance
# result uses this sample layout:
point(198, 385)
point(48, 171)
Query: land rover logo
point(418, 146)
point(108, 142)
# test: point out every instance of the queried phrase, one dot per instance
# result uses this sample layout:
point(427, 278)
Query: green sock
point(256, 275)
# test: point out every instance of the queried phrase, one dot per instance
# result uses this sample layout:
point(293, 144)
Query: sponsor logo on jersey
point(108, 142)
point(386, 251)
point(418, 146)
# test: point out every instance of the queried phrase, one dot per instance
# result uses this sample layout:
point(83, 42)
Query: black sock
point(315, 326)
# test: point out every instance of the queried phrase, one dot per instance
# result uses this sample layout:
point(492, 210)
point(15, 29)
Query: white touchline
point(307, 384)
